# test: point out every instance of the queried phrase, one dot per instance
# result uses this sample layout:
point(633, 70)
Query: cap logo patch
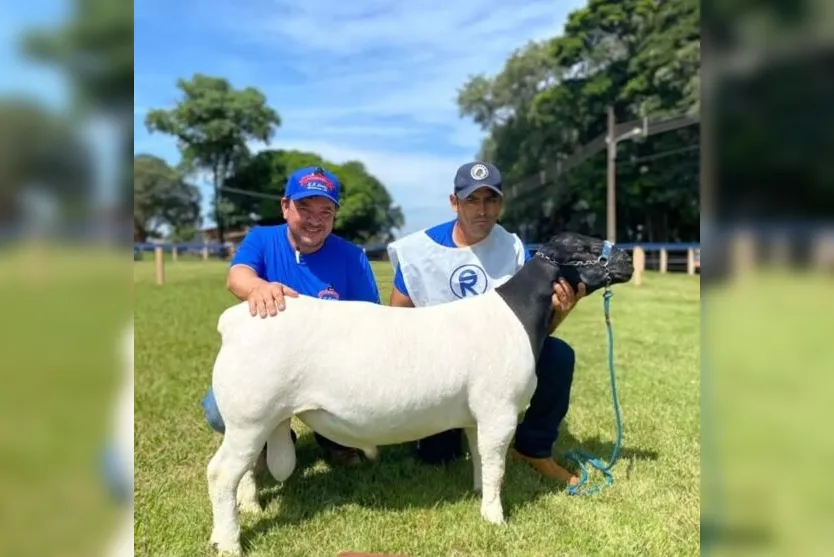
point(479, 172)
point(316, 181)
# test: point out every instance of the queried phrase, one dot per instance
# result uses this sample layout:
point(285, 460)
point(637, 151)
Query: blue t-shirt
point(339, 270)
point(442, 234)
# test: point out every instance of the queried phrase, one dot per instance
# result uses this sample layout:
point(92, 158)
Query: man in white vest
point(468, 256)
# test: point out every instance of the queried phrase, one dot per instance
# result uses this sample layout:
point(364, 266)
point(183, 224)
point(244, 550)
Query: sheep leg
point(494, 437)
point(280, 452)
point(237, 454)
point(472, 437)
point(247, 492)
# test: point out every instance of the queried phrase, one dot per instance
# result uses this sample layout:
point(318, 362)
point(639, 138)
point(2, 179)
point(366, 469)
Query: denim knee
point(213, 417)
point(113, 472)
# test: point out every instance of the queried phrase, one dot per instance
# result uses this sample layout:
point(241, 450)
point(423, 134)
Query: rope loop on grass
point(582, 458)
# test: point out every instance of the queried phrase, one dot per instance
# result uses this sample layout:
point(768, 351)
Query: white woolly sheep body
point(364, 375)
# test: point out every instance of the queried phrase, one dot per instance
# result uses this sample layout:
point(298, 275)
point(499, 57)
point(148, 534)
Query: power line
point(251, 193)
point(622, 131)
point(662, 154)
point(524, 196)
point(607, 141)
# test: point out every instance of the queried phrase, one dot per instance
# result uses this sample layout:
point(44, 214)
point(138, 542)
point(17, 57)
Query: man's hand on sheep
point(268, 298)
point(564, 300)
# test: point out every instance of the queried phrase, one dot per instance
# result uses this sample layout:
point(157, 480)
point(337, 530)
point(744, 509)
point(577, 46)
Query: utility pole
point(612, 181)
point(612, 140)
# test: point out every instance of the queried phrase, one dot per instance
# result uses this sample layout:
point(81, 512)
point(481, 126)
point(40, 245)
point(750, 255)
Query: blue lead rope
point(579, 456)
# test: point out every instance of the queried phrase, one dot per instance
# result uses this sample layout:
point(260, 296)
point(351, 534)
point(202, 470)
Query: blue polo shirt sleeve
point(399, 281)
point(251, 252)
point(363, 282)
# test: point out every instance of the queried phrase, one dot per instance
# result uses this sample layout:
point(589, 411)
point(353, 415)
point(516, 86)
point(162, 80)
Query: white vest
point(435, 274)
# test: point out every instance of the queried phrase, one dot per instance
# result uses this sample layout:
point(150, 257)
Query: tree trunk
point(140, 233)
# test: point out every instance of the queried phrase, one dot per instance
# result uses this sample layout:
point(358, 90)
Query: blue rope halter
point(579, 456)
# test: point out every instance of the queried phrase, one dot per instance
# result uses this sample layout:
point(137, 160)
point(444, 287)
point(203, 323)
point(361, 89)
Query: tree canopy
point(93, 48)
point(214, 123)
point(215, 126)
point(41, 151)
point(640, 56)
point(162, 198)
point(367, 213)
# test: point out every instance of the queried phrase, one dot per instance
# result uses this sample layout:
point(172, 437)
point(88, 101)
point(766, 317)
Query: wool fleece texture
point(466, 364)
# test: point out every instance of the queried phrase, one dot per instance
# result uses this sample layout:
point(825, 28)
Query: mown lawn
point(398, 506)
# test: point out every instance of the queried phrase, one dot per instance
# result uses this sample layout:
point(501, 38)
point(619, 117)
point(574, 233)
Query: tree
point(163, 198)
point(95, 50)
point(40, 151)
point(550, 99)
point(367, 213)
point(213, 124)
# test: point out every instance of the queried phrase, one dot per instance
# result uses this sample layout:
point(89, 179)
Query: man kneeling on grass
point(301, 256)
point(468, 256)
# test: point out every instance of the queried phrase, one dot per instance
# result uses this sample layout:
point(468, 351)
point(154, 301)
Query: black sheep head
point(579, 259)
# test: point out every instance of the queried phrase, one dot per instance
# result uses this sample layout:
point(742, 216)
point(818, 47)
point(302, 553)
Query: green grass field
point(397, 506)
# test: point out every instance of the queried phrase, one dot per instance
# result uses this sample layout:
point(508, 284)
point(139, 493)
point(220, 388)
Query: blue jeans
point(539, 429)
point(215, 421)
point(112, 469)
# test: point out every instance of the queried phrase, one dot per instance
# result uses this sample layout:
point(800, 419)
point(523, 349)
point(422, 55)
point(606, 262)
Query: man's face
point(478, 213)
point(310, 220)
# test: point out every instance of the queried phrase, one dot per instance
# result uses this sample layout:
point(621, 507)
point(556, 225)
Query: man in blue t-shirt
point(468, 256)
point(301, 256)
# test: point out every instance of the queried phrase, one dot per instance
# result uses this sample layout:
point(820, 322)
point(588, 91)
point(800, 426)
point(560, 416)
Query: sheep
point(465, 364)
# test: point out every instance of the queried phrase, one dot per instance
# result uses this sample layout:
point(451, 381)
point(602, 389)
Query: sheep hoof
point(222, 549)
point(493, 514)
point(250, 507)
point(371, 453)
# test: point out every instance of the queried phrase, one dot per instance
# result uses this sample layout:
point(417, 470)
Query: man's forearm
point(242, 280)
point(555, 324)
point(399, 300)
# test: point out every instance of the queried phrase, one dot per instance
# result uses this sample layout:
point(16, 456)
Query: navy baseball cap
point(475, 175)
point(313, 181)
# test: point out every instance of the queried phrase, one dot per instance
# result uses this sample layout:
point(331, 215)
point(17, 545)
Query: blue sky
point(24, 78)
point(20, 77)
point(372, 81)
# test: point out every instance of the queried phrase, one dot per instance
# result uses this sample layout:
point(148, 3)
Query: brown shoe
point(547, 467)
point(349, 458)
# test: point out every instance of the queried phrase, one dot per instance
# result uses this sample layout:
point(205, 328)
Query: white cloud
point(384, 60)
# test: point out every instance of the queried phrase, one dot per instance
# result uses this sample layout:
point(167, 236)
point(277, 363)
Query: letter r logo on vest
point(468, 280)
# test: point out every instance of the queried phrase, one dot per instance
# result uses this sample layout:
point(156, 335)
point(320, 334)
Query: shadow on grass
point(597, 447)
point(398, 482)
point(395, 482)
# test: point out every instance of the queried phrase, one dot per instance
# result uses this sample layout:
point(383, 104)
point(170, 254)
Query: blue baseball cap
point(475, 175)
point(313, 181)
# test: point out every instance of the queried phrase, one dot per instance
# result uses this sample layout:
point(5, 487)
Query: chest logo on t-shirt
point(328, 293)
point(468, 280)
